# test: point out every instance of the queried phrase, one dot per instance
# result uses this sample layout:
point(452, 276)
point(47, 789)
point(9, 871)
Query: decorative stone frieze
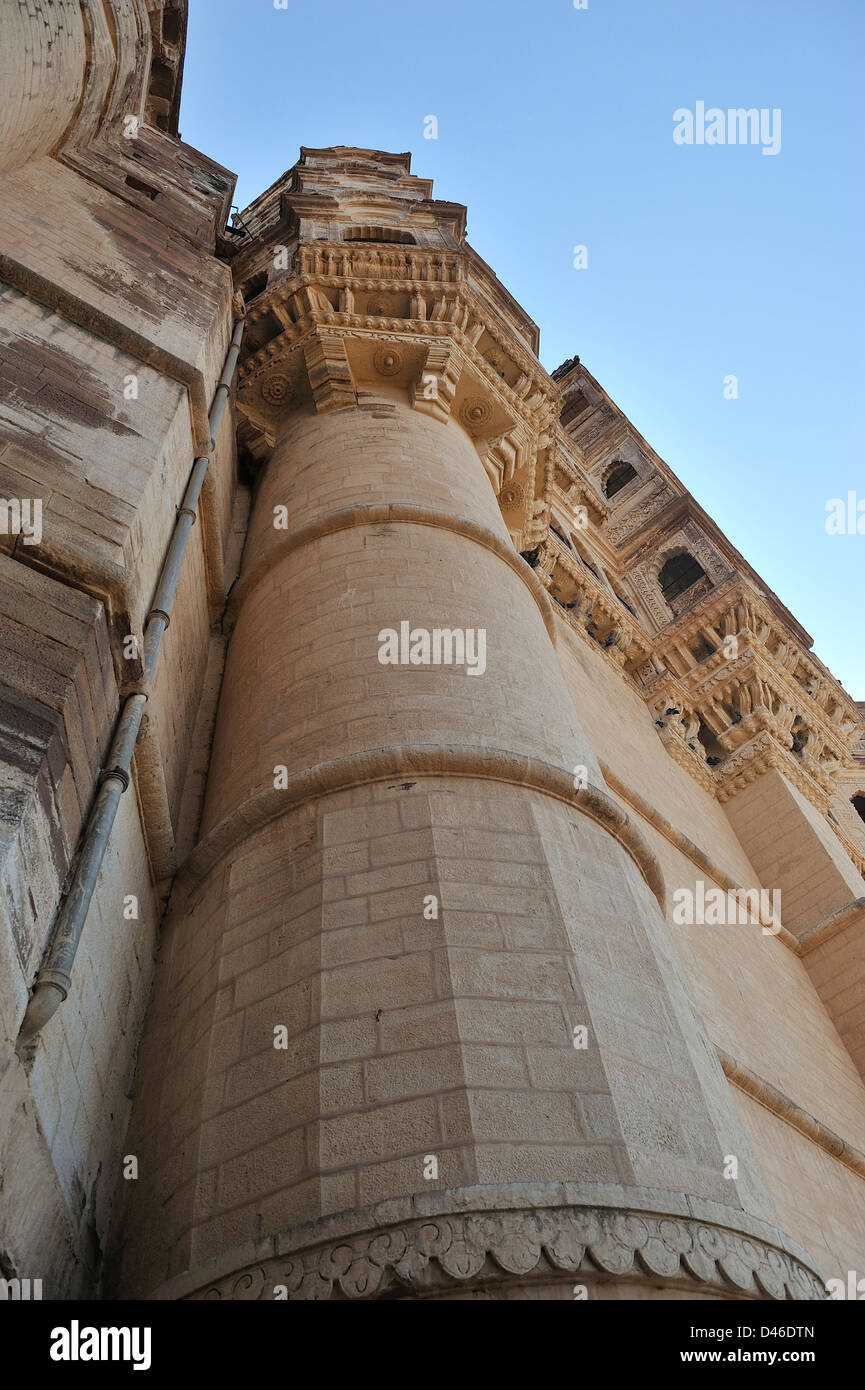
point(651, 501)
point(484, 1251)
point(761, 699)
point(589, 606)
point(353, 314)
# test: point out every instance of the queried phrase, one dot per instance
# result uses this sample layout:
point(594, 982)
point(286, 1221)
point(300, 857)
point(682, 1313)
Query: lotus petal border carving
point(485, 1249)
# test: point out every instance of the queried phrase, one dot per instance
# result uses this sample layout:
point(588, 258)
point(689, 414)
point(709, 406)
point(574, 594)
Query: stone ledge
point(691, 851)
point(379, 764)
point(383, 514)
point(774, 1100)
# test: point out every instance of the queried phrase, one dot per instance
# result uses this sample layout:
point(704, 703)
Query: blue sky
point(555, 128)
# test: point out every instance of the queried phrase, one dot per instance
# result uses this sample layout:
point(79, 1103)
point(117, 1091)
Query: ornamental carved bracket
point(592, 609)
point(572, 483)
point(351, 317)
point(759, 697)
point(679, 724)
point(435, 388)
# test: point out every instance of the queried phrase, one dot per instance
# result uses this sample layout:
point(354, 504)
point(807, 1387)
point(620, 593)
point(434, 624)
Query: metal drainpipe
point(53, 981)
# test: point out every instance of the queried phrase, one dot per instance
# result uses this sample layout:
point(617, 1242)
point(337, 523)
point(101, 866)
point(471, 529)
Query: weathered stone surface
point(450, 898)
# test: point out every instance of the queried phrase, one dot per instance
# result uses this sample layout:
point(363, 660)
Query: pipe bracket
point(119, 773)
point(158, 613)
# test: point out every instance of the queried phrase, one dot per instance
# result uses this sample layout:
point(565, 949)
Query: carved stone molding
point(376, 765)
point(644, 582)
point(759, 755)
point(780, 1104)
point(689, 758)
point(601, 420)
point(387, 513)
point(488, 1249)
point(648, 502)
point(511, 495)
point(694, 539)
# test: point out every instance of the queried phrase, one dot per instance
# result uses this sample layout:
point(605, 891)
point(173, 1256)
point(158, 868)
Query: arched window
point(620, 477)
point(679, 573)
point(858, 804)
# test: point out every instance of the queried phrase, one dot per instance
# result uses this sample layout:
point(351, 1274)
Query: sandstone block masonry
point(381, 990)
point(115, 315)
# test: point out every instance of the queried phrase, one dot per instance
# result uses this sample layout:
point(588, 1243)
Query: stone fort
point(328, 973)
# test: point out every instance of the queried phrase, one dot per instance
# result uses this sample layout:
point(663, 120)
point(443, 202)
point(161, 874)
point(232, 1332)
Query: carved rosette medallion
point(276, 390)
point(475, 413)
point(512, 495)
point(387, 361)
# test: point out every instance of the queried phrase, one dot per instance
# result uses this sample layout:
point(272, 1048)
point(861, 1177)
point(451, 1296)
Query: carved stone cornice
point(352, 314)
point(766, 700)
point(759, 755)
point(444, 306)
point(378, 764)
point(544, 1246)
point(589, 606)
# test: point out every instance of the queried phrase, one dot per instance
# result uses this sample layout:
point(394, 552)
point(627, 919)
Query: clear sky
point(555, 128)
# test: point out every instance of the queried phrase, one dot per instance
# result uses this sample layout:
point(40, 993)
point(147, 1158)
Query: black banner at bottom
point(614, 1336)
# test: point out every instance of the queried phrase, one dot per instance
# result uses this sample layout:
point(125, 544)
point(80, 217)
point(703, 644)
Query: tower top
point(347, 168)
point(347, 161)
point(330, 188)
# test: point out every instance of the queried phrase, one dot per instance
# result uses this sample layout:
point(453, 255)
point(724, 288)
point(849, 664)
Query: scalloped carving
point(547, 1244)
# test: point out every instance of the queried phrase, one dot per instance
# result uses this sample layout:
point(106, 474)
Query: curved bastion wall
point(380, 969)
